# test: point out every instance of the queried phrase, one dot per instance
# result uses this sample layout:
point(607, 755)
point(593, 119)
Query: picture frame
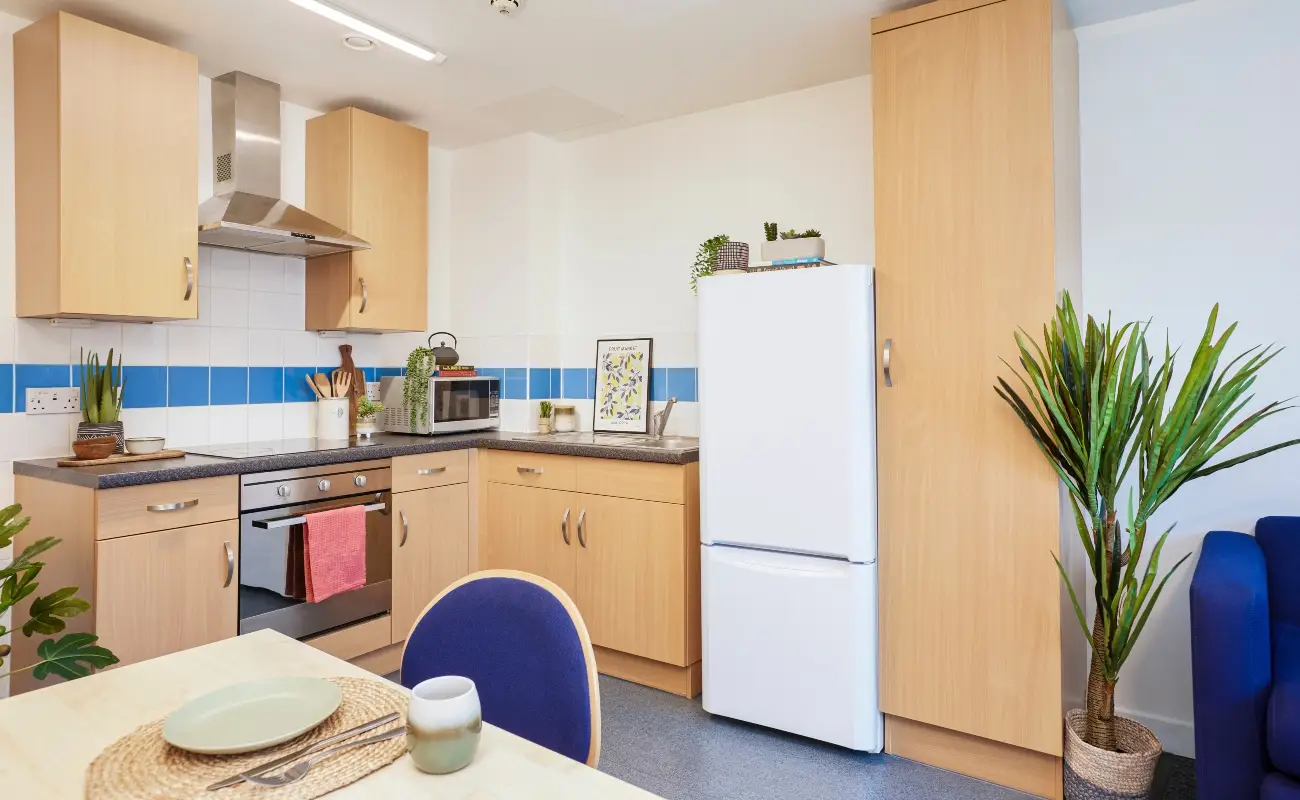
point(622, 399)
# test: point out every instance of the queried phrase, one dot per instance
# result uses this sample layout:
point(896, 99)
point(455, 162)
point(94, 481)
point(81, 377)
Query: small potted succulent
point(791, 245)
point(367, 410)
point(101, 399)
point(544, 410)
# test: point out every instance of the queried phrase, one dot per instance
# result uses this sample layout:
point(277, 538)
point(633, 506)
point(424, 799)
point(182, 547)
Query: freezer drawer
point(790, 643)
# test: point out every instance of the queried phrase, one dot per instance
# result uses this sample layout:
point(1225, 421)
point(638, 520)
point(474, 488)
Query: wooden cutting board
point(358, 390)
point(120, 458)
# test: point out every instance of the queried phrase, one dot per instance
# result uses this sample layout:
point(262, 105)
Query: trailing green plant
point(544, 409)
point(770, 231)
point(811, 233)
point(1097, 404)
point(72, 655)
point(101, 389)
point(706, 258)
point(420, 365)
point(367, 408)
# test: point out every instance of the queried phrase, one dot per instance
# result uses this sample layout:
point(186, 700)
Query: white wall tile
point(39, 342)
point(229, 307)
point(101, 338)
point(144, 345)
point(276, 310)
point(229, 268)
point(8, 337)
point(299, 420)
point(205, 312)
point(227, 424)
point(188, 426)
point(295, 275)
point(300, 349)
point(189, 347)
point(265, 422)
point(366, 349)
point(229, 347)
point(6, 498)
point(266, 348)
point(684, 421)
point(518, 415)
point(265, 272)
point(42, 435)
point(143, 421)
point(205, 265)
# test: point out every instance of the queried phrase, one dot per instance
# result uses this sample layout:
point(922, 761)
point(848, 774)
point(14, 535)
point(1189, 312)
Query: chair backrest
point(522, 641)
point(1279, 538)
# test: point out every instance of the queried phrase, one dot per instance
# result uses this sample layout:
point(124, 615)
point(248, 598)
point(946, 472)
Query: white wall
point(1191, 196)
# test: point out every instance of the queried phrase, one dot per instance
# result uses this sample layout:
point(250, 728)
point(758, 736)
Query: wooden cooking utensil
point(342, 382)
point(323, 384)
point(350, 368)
point(312, 385)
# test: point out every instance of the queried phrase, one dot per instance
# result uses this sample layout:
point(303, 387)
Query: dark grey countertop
point(382, 445)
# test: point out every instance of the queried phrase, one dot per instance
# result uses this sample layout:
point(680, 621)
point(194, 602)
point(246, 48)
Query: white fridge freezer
point(788, 502)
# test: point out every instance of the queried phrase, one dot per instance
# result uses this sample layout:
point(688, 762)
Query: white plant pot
point(788, 249)
point(366, 427)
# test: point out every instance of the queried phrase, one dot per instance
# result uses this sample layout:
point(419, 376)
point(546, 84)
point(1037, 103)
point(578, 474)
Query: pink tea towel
point(335, 552)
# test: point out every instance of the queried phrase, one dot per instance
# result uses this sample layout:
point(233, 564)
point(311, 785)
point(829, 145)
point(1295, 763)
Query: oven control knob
point(283, 490)
point(324, 486)
point(360, 480)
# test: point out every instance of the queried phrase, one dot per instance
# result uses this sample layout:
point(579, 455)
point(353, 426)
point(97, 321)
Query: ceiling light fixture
point(345, 18)
point(354, 42)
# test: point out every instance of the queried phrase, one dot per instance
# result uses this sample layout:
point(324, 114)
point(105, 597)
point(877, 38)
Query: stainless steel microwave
point(455, 405)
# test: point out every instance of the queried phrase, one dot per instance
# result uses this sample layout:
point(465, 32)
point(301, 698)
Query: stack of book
point(457, 371)
point(790, 263)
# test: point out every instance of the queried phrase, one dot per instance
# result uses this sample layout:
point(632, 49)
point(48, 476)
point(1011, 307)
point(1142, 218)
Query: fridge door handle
point(885, 360)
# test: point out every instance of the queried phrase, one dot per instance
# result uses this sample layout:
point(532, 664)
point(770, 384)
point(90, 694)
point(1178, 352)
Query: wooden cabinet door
point(631, 575)
point(969, 620)
point(526, 530)
point(390, 209)
point(156, 593)
point(430, 549)
point(128, 185)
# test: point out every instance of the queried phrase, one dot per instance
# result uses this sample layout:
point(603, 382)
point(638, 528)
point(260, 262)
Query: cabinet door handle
point(885, 361)
point(174, 506)
point(230, 564)
point(431, 471)
point(189, 278)
point(582, 527)
point(365, 298)
point(405, 529)
point(529, 470)
point(564, 526)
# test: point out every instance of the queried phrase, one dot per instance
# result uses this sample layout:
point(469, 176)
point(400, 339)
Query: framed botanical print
point(623, 386)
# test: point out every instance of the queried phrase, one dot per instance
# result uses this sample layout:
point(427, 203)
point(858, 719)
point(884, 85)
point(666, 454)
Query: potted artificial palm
point(1097, 405)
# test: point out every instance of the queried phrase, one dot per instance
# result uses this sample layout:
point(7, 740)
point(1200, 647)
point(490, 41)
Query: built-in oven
point(273, 509)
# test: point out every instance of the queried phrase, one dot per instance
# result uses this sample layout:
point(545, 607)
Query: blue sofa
point(1245, 602)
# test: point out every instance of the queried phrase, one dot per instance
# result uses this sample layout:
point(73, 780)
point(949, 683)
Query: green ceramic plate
point(251, 716)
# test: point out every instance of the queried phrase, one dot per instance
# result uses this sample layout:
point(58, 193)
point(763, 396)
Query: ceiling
point(563, 68)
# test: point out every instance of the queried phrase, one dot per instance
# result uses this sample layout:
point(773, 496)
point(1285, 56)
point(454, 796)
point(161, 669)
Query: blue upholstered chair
point(1245, 600)
point(524, 644)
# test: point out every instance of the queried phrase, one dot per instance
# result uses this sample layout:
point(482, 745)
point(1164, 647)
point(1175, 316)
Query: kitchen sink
point(608, 440)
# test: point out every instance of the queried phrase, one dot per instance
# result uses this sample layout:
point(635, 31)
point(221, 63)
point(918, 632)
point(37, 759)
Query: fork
point(299, 770)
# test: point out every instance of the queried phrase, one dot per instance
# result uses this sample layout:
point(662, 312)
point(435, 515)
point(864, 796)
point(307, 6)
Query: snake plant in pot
point(101, 399)
point(1103, 410)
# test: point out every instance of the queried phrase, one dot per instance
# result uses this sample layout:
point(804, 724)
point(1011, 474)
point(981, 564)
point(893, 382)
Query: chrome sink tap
point(661, 419)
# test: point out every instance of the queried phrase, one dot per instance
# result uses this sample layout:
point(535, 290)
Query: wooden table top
point(49, 736)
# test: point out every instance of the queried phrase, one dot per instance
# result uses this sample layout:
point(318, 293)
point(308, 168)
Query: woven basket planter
point(92, 430)
point(732, 259)
point(1095, 774)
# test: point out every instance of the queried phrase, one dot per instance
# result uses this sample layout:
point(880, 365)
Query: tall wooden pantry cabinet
point(976, 196)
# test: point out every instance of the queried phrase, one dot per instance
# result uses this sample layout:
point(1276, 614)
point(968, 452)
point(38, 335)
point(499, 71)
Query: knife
point(306, 751)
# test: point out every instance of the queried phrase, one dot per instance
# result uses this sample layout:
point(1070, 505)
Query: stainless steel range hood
point(246, 212)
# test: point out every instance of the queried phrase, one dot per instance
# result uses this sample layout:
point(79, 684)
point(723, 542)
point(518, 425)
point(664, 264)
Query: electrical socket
point(372, 390)
point(62, 400)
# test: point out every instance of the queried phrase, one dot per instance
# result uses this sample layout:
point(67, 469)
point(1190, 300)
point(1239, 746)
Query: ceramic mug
point(443, 724)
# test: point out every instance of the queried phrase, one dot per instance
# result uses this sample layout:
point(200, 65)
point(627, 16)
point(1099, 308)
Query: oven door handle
point(289, 522)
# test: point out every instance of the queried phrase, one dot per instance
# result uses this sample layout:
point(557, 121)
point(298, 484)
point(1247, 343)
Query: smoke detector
point(507, 8)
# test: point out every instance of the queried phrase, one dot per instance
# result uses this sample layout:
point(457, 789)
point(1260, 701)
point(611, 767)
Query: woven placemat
point(142, 766)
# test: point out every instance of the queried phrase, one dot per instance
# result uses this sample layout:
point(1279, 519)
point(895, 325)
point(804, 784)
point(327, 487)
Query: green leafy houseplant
point(770, 231)
point(420, 365)
point(705, 258)
point(1097, 404)
point(811, 233)
point(101, 389)
point(72, 655)
point(544, 409)
point(368, 409)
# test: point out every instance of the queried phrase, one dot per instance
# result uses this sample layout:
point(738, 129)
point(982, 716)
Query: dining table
point(49, 736)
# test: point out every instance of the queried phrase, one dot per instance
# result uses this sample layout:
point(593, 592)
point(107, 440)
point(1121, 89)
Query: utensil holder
point(332, 418)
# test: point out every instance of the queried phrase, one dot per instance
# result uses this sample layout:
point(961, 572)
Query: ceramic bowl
point(91, 449)
point(144, 445)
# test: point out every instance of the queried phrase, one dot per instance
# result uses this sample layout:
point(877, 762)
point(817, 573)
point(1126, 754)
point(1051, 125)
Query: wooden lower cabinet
point(430, 549)
point(531, 530)
point(156, 593)
point(631, 576)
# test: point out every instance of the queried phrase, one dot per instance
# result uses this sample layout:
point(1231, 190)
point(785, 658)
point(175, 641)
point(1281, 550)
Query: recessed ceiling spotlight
point(507, 8)
point(354, 42)
point(370, 31)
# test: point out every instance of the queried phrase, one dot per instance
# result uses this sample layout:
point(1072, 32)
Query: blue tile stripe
point(160, 387)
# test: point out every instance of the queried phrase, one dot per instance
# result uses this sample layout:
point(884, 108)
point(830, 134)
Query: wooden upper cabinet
point(106, 173)
point(370, 176)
